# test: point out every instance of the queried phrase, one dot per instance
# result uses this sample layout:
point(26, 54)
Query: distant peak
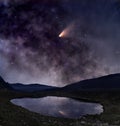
point(1, 80)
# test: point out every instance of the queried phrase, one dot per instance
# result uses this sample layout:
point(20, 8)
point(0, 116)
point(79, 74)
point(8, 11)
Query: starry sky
point(58, 42)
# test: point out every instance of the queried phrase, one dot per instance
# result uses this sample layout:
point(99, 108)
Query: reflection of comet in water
point(63, 113)
point(67, 32)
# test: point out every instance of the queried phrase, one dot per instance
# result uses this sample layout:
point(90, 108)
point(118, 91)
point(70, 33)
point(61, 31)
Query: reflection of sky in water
point(59, 106)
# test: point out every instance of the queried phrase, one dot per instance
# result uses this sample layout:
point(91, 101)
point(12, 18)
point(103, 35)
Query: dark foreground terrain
point(11, 115)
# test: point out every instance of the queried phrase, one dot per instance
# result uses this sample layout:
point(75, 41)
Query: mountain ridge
point(108, 82)
point(104, 83)
point(31, 87)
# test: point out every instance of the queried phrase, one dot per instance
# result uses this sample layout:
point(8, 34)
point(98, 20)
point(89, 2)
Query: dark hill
point(105, 83)
point(4, 84)
point(25, 88)
point(31, 87)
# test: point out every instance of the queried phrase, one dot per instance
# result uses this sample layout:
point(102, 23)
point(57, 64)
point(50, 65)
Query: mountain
point(24, 88)
point(105, 83)
point(31, 87)
point(4, 84)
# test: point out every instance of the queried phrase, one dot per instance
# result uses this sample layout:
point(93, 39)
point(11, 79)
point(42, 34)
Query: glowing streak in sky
point(62, 34)
point(67, 31)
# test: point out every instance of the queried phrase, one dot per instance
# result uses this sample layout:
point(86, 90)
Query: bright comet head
point(62, 34)
point(67, 31)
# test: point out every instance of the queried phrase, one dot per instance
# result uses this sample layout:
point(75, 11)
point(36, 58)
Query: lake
point(59, 106)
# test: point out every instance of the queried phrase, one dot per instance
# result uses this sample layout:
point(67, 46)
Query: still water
point(59, 106)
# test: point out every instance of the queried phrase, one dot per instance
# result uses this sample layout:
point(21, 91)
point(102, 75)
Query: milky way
point(31, 50)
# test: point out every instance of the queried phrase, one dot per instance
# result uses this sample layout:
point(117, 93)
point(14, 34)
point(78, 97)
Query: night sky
point(57, 42)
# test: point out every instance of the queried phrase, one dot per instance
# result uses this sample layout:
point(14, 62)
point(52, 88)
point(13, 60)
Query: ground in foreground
point(11, 115)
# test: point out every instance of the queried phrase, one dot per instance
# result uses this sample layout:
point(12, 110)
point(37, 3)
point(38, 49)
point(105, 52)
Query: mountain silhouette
point(4, 84)
point(31, 87)
point(105, 83)
point(23, 87)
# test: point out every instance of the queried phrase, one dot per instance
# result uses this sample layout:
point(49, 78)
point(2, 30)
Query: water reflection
point(59, 106)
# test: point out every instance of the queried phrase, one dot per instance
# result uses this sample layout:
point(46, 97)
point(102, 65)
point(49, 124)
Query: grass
point(11, 115)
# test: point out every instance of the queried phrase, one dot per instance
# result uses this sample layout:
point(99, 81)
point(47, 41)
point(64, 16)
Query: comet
point(67, 31)
point(62, 34)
